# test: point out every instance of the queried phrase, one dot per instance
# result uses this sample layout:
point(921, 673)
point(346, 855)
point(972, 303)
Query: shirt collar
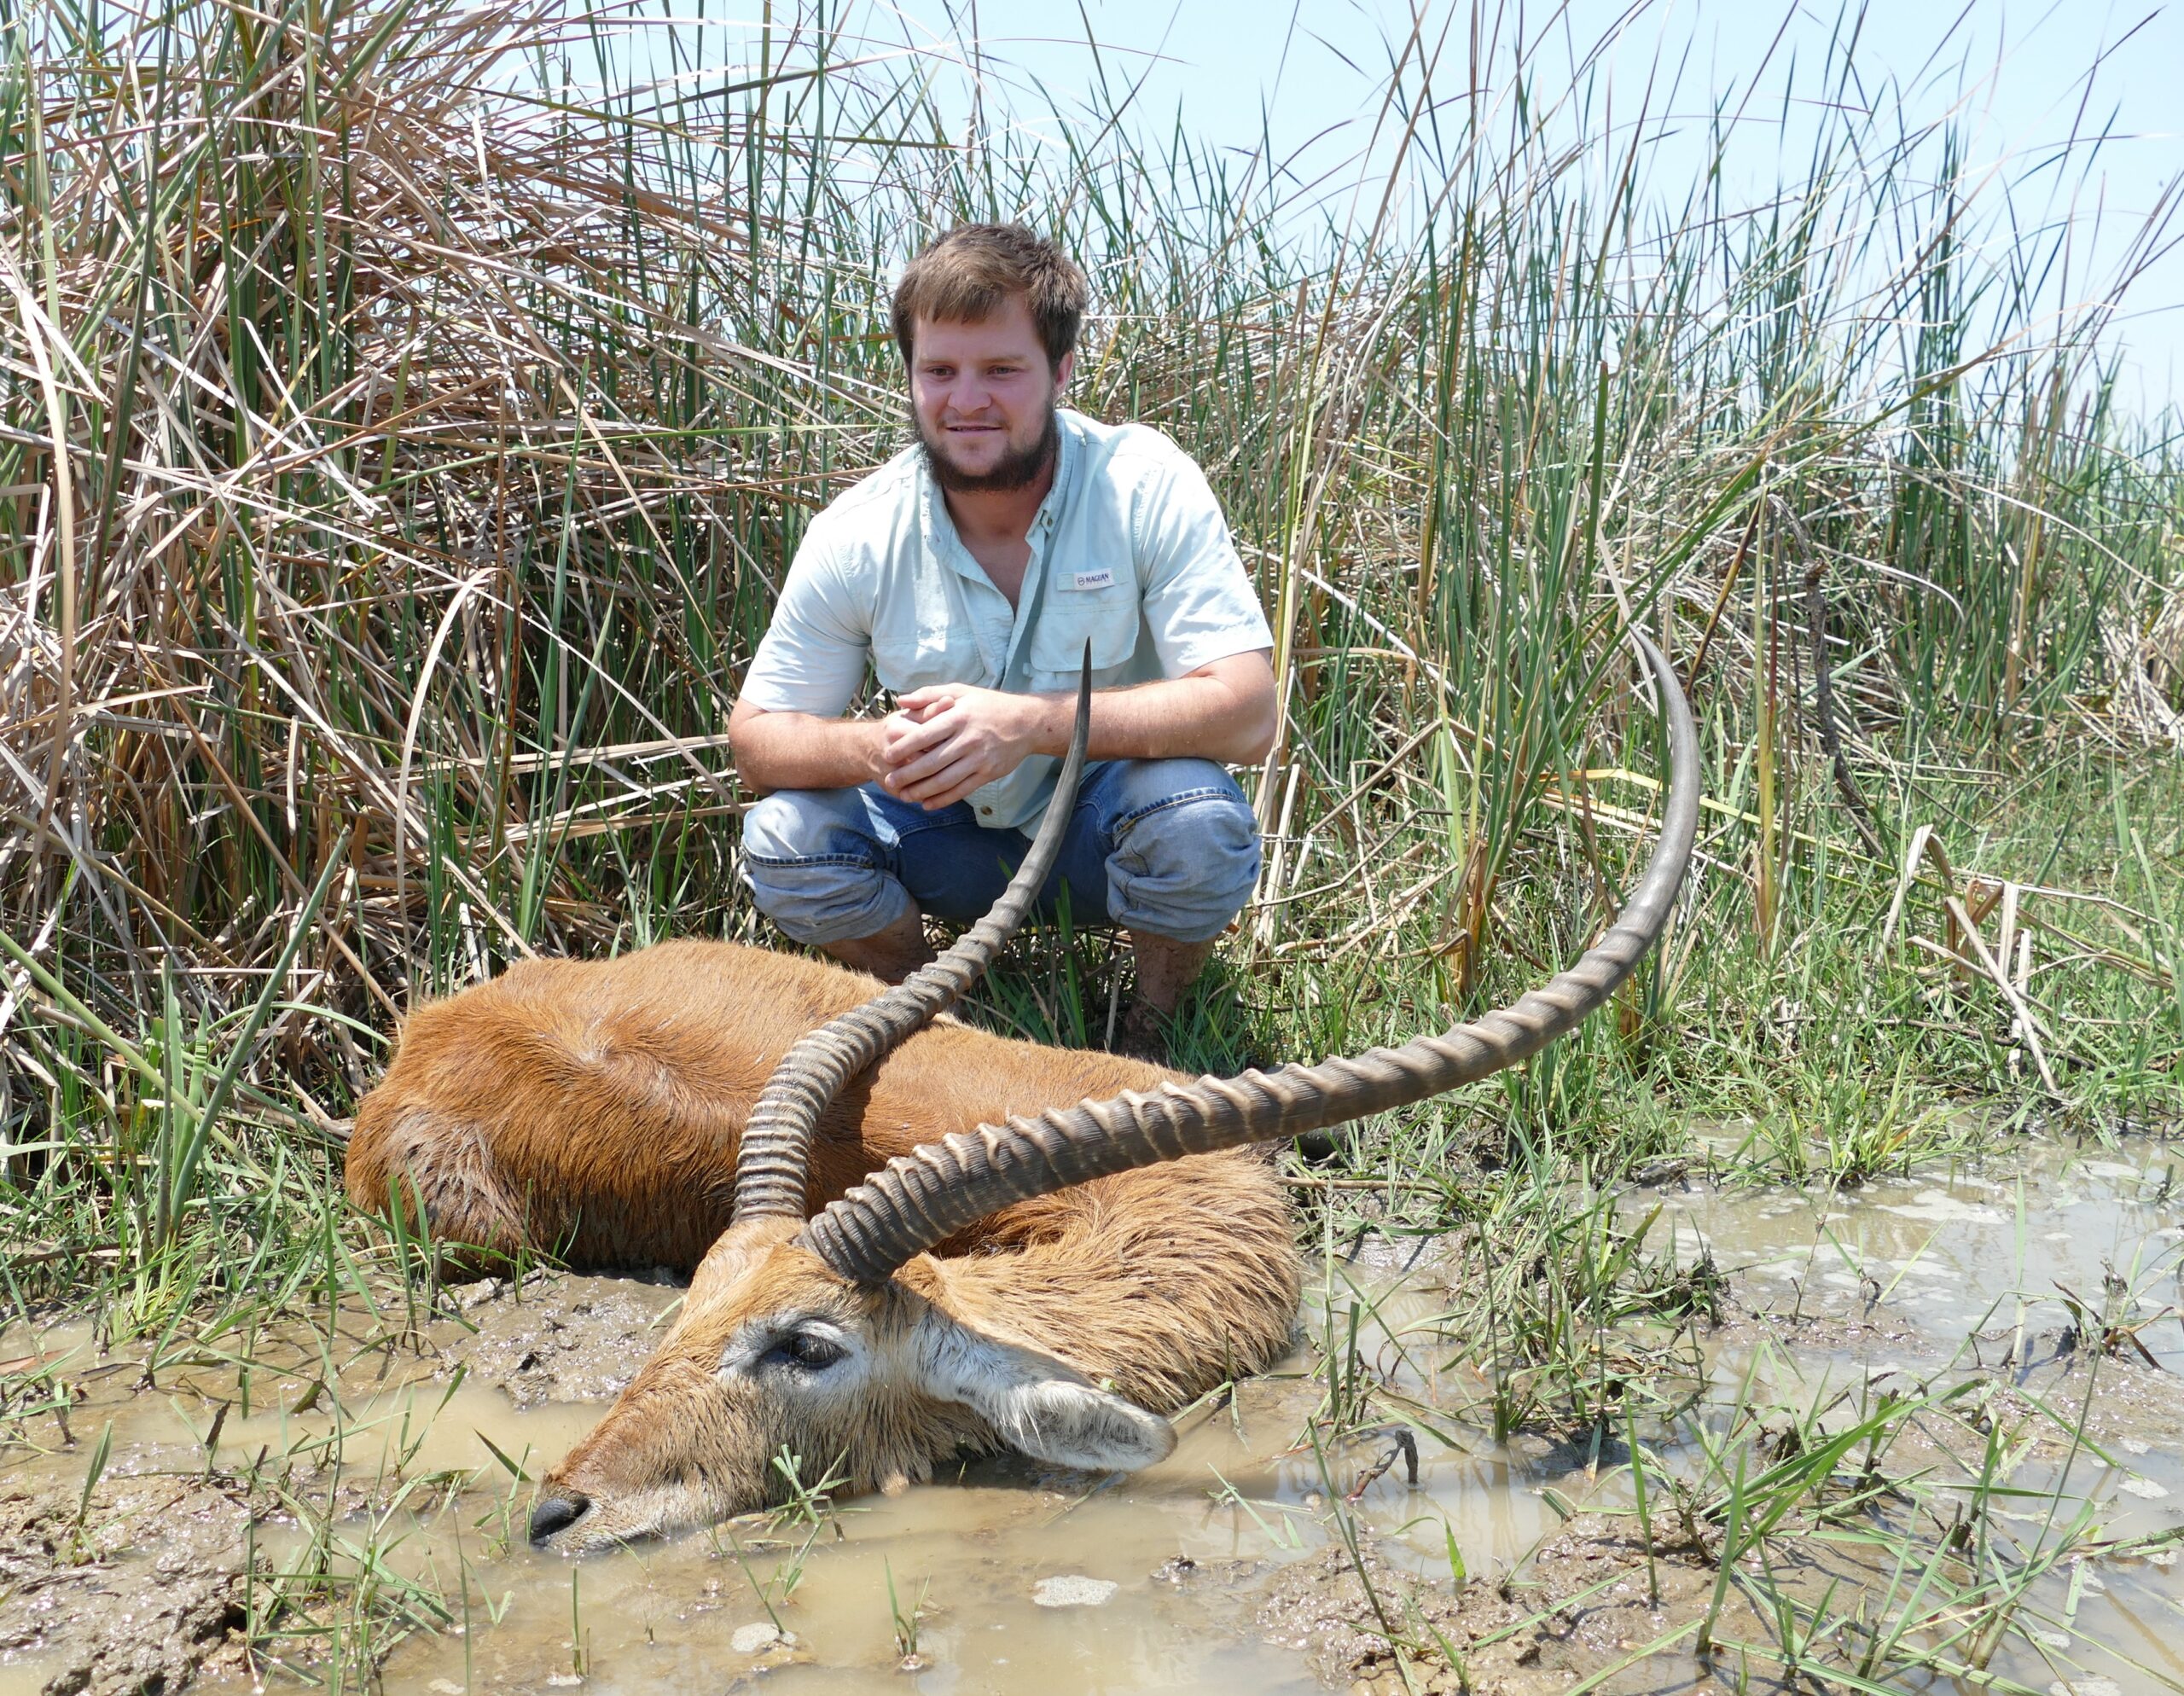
point(1065, 457)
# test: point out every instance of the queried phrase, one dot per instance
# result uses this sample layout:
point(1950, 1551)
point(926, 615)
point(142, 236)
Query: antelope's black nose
point(557, 1513)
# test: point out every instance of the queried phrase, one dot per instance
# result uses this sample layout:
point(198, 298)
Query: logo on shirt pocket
point(1104, 577)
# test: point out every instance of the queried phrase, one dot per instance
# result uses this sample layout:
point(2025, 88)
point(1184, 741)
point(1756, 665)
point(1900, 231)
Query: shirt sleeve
point(1198, 600)
point(812, 656)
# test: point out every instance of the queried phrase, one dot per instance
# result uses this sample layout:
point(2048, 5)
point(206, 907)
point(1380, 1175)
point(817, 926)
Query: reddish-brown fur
point(595, 1109)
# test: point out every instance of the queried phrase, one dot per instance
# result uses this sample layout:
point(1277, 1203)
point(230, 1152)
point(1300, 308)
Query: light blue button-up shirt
point(1129, 551)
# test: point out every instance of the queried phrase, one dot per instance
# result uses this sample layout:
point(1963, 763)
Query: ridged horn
point(923, 1198)
point(774, 1156)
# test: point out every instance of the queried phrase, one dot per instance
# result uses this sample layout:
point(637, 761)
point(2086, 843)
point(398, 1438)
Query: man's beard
point(1017, 468)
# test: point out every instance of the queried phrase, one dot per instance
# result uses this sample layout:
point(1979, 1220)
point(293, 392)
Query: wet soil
point(1587, 1603)
point(138, 1588)
point(551, 1340)
point(1235, 1564)
point(145, 1585)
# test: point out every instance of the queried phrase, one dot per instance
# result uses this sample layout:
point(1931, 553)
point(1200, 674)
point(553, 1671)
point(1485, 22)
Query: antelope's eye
point(807, 1351)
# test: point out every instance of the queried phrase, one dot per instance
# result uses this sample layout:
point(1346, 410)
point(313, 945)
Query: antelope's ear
point(1040, 1407)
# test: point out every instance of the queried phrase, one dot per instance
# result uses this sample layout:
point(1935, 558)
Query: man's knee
point(1186, 850)
point(817, 869)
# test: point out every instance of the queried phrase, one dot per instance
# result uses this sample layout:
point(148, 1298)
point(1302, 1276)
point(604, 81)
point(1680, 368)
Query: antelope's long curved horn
point(922, 1198)
point(775, 1155)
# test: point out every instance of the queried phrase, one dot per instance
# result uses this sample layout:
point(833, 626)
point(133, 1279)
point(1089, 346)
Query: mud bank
point(1587, 1603)
point(344, 1507)
point(138, 1588)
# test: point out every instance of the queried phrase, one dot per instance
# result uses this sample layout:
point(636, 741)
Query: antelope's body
point(597, 1109)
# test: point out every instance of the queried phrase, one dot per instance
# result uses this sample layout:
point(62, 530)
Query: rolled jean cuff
point(817, 903)
point(1184, 868)
point(813, 872)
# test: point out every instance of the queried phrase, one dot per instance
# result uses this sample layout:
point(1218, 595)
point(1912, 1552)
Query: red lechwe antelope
point(904, 1242)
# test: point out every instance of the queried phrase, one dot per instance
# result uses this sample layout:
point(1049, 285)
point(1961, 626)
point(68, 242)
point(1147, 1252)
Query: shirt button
point(986, 812)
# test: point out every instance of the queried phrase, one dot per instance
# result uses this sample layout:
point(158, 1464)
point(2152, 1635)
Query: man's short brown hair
point(968, 274)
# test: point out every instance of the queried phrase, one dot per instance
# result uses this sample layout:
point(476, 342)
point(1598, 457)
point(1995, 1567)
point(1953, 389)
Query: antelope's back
point(595, 1107)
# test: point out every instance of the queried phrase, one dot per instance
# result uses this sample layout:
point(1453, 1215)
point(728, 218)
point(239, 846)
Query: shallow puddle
point(397, 1452)
point(1952, 1253)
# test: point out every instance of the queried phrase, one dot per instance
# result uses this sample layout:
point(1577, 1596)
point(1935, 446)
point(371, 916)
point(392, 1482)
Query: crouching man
point(973, 569)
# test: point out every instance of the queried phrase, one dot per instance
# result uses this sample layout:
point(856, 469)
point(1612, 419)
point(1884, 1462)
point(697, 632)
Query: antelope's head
point(776, 1352)
point(834, 1338)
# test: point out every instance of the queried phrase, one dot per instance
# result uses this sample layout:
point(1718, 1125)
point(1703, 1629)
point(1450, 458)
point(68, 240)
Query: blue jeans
point(1165, 845)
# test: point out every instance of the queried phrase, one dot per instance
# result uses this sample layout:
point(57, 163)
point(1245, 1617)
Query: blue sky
point(2021, 79)
point(2020, 82)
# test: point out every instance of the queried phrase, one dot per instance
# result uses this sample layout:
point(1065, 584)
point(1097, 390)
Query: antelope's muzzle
point(555, 1512)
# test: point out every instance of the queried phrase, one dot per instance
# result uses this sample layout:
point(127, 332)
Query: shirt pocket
point(1109, 619)
point(917, 656)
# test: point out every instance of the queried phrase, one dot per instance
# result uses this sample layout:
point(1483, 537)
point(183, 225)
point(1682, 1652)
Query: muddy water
point(1016, 1579)
point(1947, 1253)
point(2004, 1266)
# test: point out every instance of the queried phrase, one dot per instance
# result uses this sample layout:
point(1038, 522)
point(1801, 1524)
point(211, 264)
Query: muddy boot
point(890, 955)
point(1141, 1034)
point(1165, 968)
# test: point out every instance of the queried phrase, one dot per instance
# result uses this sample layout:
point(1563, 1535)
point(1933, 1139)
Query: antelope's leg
point(438, 1171)
point(489, 1193)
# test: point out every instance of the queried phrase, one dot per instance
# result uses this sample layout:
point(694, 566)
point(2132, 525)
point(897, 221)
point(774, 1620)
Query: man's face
point(983, 400)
